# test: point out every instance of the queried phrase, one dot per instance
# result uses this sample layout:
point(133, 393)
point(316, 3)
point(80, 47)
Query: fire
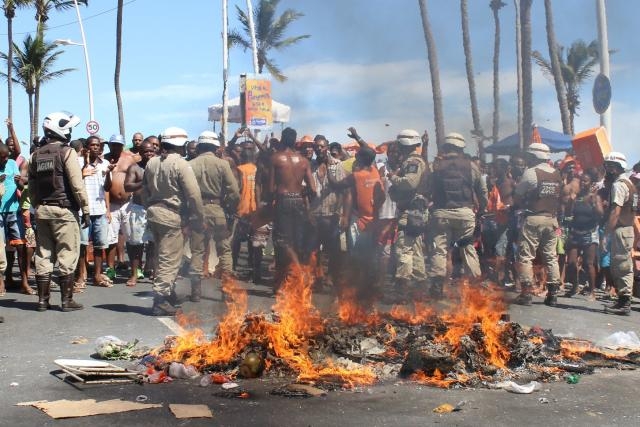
point(421, 313)
point(438, 379)
point(575, 349)
point(350, 312)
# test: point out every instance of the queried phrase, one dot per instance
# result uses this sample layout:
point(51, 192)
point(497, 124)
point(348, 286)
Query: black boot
point(162, 307)
point(622, 307)
point(551, 299)
point(196, 289)
point(525, 295)
point(437, 288)
point(43, 281)
point(66, 289)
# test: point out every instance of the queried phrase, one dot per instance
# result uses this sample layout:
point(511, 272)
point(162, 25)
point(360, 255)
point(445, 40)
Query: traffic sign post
point(93, 127)
point(601, 94)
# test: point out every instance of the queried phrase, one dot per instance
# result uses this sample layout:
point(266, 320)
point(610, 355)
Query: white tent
point(281, 113)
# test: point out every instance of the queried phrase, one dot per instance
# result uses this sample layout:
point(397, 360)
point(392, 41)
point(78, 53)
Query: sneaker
point(139, 273)
point(110, 273)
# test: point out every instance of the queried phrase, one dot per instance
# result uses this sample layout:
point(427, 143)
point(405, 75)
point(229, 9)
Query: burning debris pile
point(470, 343)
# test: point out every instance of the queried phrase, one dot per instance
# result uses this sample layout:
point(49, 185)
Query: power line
point(74, 22)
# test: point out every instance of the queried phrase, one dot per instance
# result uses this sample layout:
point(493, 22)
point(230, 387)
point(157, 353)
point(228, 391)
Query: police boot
point(551, 299)
point(622, 307)
point(66, 289)
point(525, 295)
point(162, 307)
point(437, 288)
point(43, 281)
point(196, 289)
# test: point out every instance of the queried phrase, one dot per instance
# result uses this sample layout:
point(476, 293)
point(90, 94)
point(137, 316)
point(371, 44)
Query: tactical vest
point(51, 180)
point(453, 184)
point(630, 207)
point(545, 199)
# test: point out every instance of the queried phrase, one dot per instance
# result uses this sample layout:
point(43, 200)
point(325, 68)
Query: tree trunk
point(36, 109)
point(561, 90)
point(435, 73)
point(527, 89)
point(466, 45)
point(116, 74)
point(496, 72)
point(32, 129)
point(10, 67)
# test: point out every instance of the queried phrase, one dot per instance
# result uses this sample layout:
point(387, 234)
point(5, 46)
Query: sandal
point(80, 284)
point(27, 291)
point(131, 283)
point(103, 284)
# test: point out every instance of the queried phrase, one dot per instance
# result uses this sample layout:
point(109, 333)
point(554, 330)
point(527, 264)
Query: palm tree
point(435, 73)
point(44, 7)
point(466, 44)
point(9, 7)
point(270, 32)
point(527, 89)
point(556, 69)
point(32, 65)
point(116, 74)
point(577, 67)
point(495, 6)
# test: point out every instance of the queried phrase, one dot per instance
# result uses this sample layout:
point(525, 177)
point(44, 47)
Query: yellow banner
point(258, 103)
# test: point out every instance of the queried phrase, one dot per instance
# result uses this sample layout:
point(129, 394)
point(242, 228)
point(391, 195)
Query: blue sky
point(365, 65)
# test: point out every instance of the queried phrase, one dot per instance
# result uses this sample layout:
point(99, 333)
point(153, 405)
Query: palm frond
point(274, 70)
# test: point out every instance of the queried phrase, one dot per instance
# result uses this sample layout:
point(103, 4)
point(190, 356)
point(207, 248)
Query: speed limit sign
point(93, 127)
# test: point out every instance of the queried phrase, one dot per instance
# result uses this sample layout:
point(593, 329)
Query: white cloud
point(172, 92)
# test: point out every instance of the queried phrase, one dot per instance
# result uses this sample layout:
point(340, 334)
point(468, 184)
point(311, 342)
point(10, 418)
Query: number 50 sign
point(93, 127)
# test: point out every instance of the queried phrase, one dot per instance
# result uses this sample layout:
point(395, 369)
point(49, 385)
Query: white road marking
point(172, 325)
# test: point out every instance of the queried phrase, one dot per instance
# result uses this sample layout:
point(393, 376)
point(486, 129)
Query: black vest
point(546, 197)
point(52, 183)
point(453, 184)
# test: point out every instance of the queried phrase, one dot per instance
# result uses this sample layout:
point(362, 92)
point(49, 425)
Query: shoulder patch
point(411, 168)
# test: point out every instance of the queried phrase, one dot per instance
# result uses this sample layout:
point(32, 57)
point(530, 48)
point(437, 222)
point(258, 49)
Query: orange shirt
point(247, 203)
point(365, 181)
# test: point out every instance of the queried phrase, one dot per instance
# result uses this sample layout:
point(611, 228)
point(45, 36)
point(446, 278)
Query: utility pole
point(516, 3)
point(225, 72)
point(603, 44)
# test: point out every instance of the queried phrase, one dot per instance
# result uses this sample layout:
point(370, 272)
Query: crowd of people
point(382, 221)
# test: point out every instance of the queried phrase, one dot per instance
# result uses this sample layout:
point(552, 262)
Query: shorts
point(119, 217)
point(135, 227)
point(502, 244)
point(579, 239)
point(261, 236)
point(98, 231)
point(13, 228)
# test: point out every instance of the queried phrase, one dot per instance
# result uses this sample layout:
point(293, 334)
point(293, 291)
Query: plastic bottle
point(573, 378)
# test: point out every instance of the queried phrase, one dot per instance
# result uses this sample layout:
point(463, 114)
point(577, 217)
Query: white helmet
point(616, 157)
point(58, 125)
point(208, 137)
point(174, 136)
point(455, 139)
point(539, 150)
point(408, 137)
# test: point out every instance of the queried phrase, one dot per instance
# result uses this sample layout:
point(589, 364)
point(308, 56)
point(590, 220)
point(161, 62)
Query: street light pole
point(86, 59)
point(605, 117)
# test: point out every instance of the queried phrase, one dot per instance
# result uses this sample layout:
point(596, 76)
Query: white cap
point(455, 139)
point(616, 157)
point(116, 139)
point(408, 137)
point(208, 137)
point(174, 136)
point(539, 150)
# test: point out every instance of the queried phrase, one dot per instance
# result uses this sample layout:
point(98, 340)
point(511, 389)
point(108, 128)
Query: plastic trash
point(573, 378)
point(142, 398)
point(543, 400)
point(205, 381)
point(627, 340)
point(229, 386)
point(113, 348)
point(513, 387)
point(178, 370)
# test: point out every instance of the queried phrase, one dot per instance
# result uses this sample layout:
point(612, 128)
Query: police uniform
point(172, 198)
point(454, 188)
point(57, 193)
point(409, 245)
point(539, 188)
point(218, 188)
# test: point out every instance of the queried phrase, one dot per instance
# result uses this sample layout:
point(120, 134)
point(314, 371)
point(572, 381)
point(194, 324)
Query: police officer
point(219, 190)
point(538, 192)
point(405, 184)
point(173, 200)
point(619, 232)
point(456, 187)
point(57, 193)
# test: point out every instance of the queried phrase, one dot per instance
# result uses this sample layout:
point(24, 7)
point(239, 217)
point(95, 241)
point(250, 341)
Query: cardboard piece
point(310, 390)
point(190, 411)
point(87, 407)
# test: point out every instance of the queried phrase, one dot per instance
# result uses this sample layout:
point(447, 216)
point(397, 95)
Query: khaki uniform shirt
point(405, 184)
point(170, 191)
point(216, 180)
point(74, 175)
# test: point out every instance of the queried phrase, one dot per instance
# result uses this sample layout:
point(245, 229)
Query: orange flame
point(438, 379)
point(350, 312)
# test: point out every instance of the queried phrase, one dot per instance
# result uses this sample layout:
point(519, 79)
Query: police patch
point(411, 168)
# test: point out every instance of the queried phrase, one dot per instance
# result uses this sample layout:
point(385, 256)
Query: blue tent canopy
point(556, 141)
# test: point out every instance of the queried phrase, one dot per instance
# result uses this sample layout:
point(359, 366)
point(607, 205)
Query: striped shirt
point(94, 185)
point(328, 201)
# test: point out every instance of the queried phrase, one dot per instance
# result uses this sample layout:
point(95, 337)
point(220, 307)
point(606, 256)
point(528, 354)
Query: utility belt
point(58, 203)
point(168, 205)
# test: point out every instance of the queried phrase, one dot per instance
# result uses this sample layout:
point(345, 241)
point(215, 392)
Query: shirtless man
point(288, 171)
point(570, 189)
point(119, 161)
point(136, 141)
point(135, 227)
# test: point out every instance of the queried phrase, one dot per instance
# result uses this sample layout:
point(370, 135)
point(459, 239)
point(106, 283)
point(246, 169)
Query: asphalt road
point(31, 341)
